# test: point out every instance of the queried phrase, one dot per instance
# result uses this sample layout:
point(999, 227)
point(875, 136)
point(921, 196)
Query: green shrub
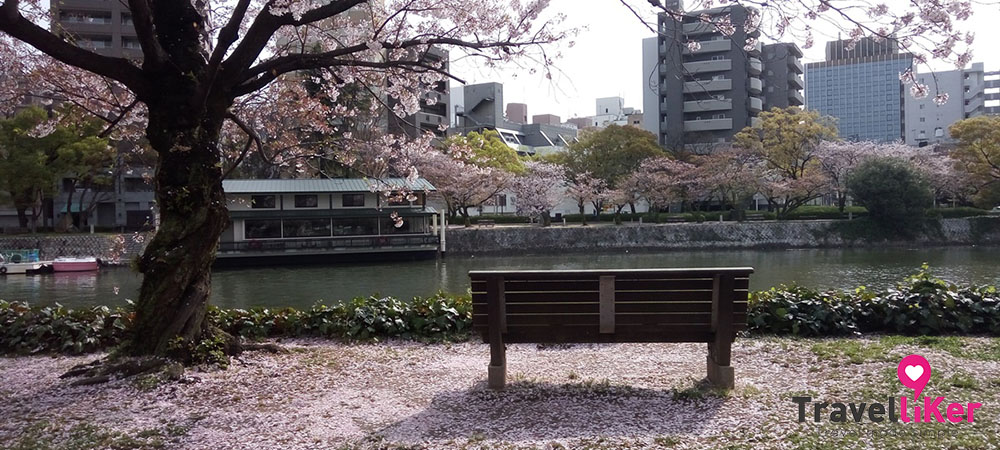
point(920, 305)
point(54, 329)
point(825, 212)
point(894, 192)
point(24, 329)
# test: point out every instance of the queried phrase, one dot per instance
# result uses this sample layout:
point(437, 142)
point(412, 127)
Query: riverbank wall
point(708, 235)
point(120, 249)
point(114, 249)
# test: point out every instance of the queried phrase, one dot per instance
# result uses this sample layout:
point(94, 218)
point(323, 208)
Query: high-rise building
point(927, 121)
point(783, 70)
point(708, 82)
point(102, 26)
point(860, 87)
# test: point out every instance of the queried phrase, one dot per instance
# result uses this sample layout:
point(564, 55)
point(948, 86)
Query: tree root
point(114, 368)
point(103, 371)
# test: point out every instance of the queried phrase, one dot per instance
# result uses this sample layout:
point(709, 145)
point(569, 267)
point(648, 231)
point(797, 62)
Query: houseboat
point(324, 220)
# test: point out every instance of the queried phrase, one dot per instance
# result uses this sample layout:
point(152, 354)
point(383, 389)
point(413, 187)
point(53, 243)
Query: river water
point(301, 286)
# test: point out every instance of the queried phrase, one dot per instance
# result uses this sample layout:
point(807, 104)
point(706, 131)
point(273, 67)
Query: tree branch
point(120, 69)
point(264, 27)
point(142, 19)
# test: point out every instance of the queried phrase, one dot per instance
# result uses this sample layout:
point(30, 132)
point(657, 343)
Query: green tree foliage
point(979, 155)
point(611, 154)
point(896, 195)
point(788, 141)
point(484, 150)
point(35, 154)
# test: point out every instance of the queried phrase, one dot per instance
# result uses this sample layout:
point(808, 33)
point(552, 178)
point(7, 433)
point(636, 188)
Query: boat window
point(262, 201)
point(262, 229)
point(306, 228)
point(355, 226)
point(354, 200)
point(306, 201)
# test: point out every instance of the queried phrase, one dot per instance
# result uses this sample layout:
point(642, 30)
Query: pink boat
point(74, 264)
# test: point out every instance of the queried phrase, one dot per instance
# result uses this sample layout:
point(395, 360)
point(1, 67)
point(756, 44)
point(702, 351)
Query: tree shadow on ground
point(531, 410)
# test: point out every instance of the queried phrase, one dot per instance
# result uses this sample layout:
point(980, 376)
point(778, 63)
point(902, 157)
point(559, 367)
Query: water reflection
point(301, 286)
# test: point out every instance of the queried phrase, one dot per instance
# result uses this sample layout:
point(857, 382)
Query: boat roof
point(323, 185)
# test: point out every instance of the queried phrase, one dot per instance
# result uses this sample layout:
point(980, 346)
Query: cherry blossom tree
point(730, 175)
point(664, 180)
point(200, 59)
point(539, 190)
point(463, 185)
point(837, 159)
point(583, 188)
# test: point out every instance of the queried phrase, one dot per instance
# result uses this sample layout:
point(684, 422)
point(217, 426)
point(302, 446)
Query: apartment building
point(434, 114)
point(102, 26)
point(858, 84)
point(971, 92)
point(708, 84)
point(783, 82)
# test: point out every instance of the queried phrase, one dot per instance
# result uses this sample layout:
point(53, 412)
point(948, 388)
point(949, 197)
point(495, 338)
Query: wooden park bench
point(592, 306)
point(674, 219)
point(753, 216)
point(486, 223)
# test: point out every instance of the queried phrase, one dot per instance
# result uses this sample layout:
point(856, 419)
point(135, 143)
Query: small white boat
point(74, 264)
point(18, 268)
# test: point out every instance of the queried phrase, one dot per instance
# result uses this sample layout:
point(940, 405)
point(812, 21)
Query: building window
point(353, 200)
point(307, 228)
point(262, 202)
point(355, 226)
point(922, 119)
point(502, 200)
point(262, 229)
point(921, 106)
point(306, 201)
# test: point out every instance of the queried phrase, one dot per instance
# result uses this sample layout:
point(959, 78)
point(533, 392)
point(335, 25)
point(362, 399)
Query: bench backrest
point(645, 305)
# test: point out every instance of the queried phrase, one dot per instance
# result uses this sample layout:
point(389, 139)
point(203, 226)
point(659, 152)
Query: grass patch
point(851, 351)
point(41, 435)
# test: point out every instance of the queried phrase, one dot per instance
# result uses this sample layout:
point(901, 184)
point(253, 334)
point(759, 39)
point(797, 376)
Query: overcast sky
point(607, 59)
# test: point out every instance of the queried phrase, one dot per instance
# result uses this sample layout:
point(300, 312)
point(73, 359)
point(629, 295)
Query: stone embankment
point(714, 235)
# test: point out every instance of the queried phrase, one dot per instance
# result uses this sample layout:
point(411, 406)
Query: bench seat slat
point(557, 320)
point(620, 307)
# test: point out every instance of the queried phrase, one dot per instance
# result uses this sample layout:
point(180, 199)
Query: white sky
point(607, 59)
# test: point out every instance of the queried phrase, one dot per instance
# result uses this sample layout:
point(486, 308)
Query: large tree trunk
point(177, 263)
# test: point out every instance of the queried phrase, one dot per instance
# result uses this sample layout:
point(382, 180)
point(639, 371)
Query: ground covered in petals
point(409, 395)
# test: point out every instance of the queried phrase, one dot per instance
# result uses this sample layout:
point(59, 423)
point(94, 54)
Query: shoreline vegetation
point(921, 304)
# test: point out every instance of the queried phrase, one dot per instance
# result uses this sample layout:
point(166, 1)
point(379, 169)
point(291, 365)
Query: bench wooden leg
point(498, 377)
point(720, 373)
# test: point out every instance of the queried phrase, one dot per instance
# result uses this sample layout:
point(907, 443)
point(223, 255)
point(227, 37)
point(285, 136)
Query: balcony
point(756, 104)
point(691, 126)
point(718, 65)
point(795, 81)
point(795, 98)
point(755, 66)
point(698, 28)
point(795, 65)
point(718, 45)
point(755, 85)
point(708, 105)
point(692, 87)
